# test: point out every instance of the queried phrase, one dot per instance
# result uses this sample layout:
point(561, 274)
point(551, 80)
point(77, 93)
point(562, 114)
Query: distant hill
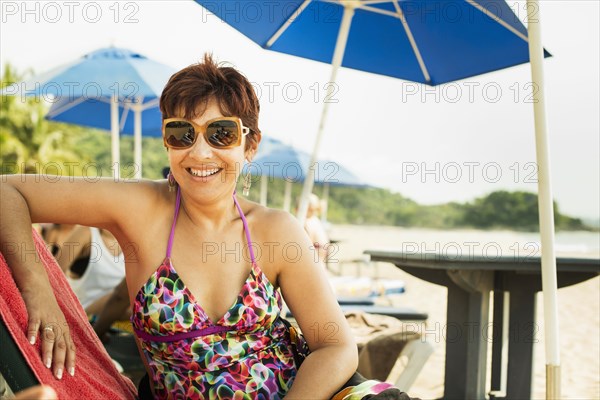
point(374, 206)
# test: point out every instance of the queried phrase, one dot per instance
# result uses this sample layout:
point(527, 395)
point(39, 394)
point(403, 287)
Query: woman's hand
point(47, 320)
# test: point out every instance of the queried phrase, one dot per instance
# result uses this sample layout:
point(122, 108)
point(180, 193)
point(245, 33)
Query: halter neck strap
point(246, 229)
point(175, 214)
point(242, 216)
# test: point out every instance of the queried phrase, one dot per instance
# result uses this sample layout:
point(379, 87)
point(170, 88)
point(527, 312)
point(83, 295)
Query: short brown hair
point(190, 90)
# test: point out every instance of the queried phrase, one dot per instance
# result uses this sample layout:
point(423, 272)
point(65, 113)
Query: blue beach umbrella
point(282, 161)
point(95, 113)
point(276, 159)
point(111, 88)
point(428, 41)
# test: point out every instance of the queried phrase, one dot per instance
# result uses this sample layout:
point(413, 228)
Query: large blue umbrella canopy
point(105, 89)
point(276, 159)
point(428, 41)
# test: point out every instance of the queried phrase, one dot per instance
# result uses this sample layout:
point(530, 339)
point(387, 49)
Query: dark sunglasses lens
point(179, 134)
point(222, 133)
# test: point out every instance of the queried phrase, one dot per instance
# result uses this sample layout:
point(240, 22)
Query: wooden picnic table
point(514, 282)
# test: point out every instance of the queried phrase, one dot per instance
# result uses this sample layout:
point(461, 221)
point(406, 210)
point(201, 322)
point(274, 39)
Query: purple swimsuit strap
point(242, 216)
point(172, 235)
point(246, 229)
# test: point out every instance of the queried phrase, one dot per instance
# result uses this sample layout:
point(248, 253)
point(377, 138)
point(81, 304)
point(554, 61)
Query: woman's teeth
point(203, 172)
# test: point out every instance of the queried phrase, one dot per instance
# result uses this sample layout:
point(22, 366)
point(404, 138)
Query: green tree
point(31, 144)
point(28, 142)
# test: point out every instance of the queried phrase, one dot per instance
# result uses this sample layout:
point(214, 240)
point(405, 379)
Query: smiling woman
point(206, 313)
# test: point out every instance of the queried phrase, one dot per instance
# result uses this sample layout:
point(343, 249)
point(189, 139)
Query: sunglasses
point(220, 133)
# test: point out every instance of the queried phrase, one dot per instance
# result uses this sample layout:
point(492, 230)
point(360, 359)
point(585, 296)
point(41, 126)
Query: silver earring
point(171, 181)
point(247, 182)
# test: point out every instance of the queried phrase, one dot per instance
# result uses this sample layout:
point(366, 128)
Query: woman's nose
point(201, 149)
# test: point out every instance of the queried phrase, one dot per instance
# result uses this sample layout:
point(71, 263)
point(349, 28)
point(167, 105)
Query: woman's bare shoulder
point(270, 224)
point(150, 202)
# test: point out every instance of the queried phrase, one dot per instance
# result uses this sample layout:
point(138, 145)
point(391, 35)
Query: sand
point(579, 305)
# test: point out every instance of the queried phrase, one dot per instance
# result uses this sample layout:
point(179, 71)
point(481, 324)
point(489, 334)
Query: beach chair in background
point(373, 296)
point(390, 346)
point(389, 350)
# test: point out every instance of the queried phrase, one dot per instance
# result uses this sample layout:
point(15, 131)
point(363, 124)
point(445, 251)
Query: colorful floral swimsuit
point(245, 355)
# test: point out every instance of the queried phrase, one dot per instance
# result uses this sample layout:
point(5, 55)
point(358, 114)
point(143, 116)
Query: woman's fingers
point(70, 354)
point(33, 327)
point(64, 356)
point(60, 352)
point(48, 337)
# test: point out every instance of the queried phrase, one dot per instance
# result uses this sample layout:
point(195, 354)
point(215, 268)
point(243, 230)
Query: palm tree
point(28, 142)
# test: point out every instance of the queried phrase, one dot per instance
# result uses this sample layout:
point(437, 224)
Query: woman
point(190, 244)
point(314, 228)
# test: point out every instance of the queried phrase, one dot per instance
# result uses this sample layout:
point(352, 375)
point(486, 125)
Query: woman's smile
point(203, 172)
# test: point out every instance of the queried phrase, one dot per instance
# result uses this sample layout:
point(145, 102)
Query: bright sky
point(471, 140)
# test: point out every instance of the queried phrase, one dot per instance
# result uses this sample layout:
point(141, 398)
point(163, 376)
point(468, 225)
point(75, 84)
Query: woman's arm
point(113, 310)
point(33, 198)
point(334, 355)
point(16, 244)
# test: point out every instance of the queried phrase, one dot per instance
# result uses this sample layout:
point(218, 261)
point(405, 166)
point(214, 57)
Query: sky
point(452, 143)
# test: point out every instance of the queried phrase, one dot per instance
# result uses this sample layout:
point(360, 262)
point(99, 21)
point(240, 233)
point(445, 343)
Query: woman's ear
point(250, 153)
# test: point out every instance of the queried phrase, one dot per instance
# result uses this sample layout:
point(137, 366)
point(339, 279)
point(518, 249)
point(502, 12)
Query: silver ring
point(48, 328)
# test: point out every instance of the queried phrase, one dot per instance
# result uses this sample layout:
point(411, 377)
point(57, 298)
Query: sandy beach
point(579, 305)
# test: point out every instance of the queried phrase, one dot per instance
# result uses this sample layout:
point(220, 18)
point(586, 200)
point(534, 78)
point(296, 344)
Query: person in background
point(316, 232)
point(116, 308)
point(54, 235)
point(94, 281)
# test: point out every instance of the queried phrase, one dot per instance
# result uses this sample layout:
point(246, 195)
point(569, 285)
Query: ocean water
point(353, 240)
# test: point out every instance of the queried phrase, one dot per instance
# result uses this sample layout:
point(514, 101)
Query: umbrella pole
point(137, 139)
point(546, 209)
point(287, 196)
point(324, 202)
point(338, 56)
point(114, 131)
point(263, 190)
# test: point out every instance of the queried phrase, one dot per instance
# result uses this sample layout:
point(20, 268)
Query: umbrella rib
point(152, 103)
point(66, 107)
point(375, 1)
point(123, 118)
point(412, 41)
point(379, 11)
point(413, 44)
point(287, 24)
point(497, 19)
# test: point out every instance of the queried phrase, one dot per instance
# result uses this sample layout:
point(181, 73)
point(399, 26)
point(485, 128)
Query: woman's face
point(204, 171)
